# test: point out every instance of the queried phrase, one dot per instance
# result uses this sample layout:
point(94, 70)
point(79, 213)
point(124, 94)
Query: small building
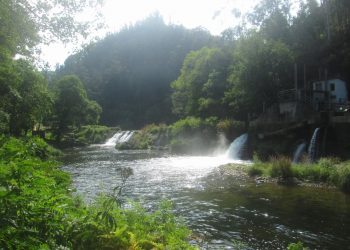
point(331, 95)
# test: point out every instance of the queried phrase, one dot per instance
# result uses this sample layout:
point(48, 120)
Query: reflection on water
point(218, 208)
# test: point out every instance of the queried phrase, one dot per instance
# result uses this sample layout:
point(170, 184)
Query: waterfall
point(299, 152)
point(237, 147)
point(119, 137)
point(313, 146)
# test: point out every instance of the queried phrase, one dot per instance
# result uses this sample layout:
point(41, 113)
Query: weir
point(119, 137)
point(238, 147)
point(299, 152)
point(313, 150)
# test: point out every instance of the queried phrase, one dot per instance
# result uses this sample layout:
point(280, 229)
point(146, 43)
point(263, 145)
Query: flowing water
point(299, 152)
point(313, 146)
point(220, 209)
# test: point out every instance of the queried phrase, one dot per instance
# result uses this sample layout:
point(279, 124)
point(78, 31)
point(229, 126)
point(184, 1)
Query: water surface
point(220, 209)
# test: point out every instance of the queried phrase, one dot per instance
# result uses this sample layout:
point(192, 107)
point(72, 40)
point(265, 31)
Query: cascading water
point(313, 146)
point(299, 152)
point(119, 137)
point(237, 147)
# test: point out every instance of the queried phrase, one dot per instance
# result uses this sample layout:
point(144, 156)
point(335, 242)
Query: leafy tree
point(129, 73)
point(72, 106)
point(261, 68)
point(30, 103)
point(26, 23)
point(199, 90)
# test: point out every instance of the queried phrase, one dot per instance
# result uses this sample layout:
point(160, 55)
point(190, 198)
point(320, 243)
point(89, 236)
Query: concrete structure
point(331, 95)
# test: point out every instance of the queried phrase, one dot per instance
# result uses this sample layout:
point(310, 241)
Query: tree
point(199, 89)
point(30, 102)
point(25, 23)
point(72, 106)
point(129, 73)
point(260, 69)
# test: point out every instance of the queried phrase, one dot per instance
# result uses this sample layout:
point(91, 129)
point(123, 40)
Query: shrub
point(229, 126)
point(342, 179)
point(255, 170)
point(38, 212)
point(91, 134)
point(186, 126)
point(297, 246)
point(281, 167)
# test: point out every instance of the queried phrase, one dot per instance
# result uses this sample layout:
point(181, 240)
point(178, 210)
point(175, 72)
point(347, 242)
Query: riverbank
point(326, 173)
point(38, 209)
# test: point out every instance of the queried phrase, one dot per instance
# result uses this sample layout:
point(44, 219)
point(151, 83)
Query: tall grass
point(326, 170)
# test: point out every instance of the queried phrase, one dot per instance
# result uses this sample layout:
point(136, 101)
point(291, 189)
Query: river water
point(220, 209)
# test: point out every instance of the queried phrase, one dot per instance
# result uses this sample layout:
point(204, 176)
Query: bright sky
point(213, 15)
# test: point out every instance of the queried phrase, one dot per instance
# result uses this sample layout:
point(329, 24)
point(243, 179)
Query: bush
point(229, 126)
point(186, 126)
point(38, 212)
point(297, 246)
point(148, 137)
point(342, 177)
point(281, 167)
point(255, 170)
point(93, 134)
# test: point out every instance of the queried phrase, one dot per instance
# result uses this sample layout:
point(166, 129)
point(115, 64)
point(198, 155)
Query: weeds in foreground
point(326, 170)
point(38, 212)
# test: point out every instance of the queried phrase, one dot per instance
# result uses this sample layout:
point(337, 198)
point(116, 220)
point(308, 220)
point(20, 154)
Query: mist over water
point(219, 208)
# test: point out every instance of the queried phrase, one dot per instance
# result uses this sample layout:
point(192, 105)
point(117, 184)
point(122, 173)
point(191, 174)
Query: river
point(220, 209)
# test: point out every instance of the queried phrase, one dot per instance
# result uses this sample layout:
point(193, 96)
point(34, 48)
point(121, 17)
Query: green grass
point(93, 134)
point(37, 210)
point(326, 170)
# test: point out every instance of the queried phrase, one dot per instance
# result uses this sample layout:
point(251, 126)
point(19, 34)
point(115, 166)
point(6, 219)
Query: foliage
point(37, 210)
point(93, 134)
point(261, 68)
point(327, 170)
point(199, 90)
point(281, 167)
point(129, 73)
point(148, 137)
point(193, 135)
point(297, 246)
point(72, 106)
point(107, 226)
point(231, 128)
point(26, 23)
point(25, 100)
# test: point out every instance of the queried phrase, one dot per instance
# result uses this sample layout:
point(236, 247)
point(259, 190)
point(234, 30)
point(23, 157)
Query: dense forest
point(152, 72)
point(129, 73)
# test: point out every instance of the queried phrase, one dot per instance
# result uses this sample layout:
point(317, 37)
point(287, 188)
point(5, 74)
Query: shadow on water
point(219, 208)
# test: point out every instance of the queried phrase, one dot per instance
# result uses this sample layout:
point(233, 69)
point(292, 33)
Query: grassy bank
point(83, 136)
point(37, 210)
point(187, 135)
point(327, 170)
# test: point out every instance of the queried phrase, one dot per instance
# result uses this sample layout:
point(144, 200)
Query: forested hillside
point(129, 73)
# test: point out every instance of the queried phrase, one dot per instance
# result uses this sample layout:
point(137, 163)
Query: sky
point(213, 15)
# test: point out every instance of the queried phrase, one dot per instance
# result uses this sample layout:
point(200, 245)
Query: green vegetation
point(83, 136)
point(71, 106)
point(297, 246)
point(129, 73)
point(327, 170)
point(148, 137)
point(38, 211)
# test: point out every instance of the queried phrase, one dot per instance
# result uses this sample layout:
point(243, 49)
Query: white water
point(119, 137)
point(219, 208)
point(299, 152)
point(235, 151)
point(313, 147)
